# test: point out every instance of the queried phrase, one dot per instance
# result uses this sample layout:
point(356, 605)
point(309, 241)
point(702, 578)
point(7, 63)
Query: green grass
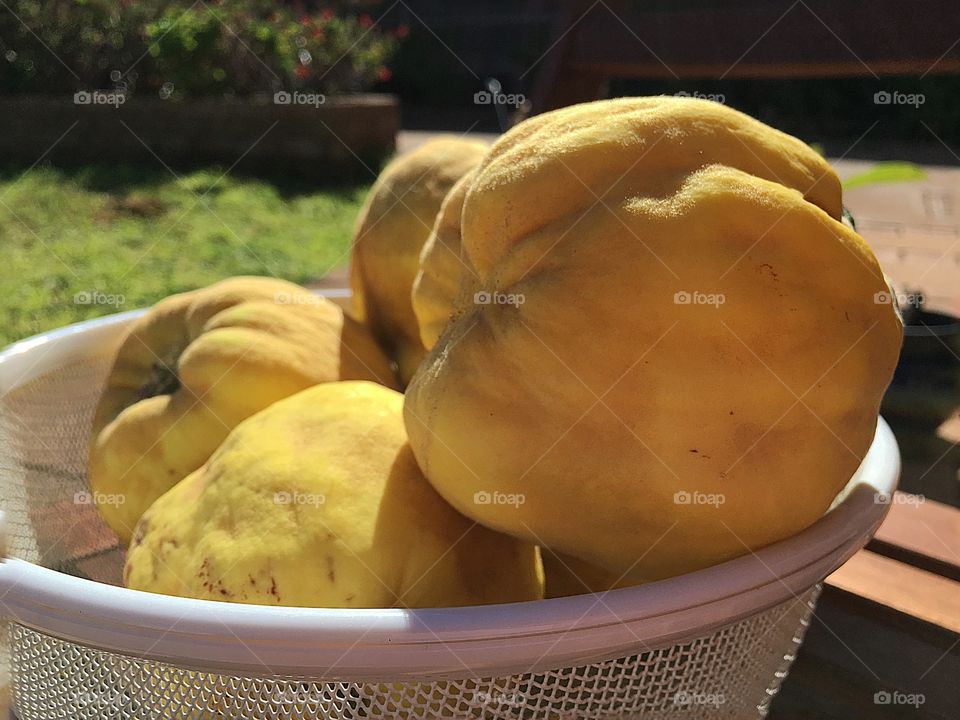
point(140, 235)
point(886, 172)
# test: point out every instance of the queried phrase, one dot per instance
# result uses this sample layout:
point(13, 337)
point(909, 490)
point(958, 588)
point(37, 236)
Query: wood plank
point(767, 32)
point(923, 533)
point(856, 648)
point(950, 429)
point(827, 691)
point(758, 39)
point(904, 588)
point(764, 70)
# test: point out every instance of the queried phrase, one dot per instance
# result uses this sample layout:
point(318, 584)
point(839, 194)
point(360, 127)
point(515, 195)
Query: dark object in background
point(799, 77)
point(926, 384)
point(925, 392)
point(749, 39)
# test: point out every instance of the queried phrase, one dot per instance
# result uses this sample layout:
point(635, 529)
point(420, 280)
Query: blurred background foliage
point(179, 49)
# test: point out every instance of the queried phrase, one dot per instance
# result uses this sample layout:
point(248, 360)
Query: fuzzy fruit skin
point(438, 281)
point(444, 275)
point(601, 397)
point(361, 527)
point(391, 229)
point(236, 346)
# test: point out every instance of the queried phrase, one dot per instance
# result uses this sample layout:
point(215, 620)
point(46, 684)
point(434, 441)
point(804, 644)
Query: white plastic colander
point(711, 644)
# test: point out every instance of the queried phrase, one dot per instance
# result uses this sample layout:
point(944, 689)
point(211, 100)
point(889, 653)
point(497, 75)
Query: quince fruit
point(697, 363)
point(318, 501)
point(444, 274)
point(195, 365)
point(438, 282)
point(391, 230)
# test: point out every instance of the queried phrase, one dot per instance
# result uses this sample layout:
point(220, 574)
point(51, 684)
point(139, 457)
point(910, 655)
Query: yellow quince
point(678, 356)
point(195, 365)
point(392, 227)
point(443, 275)
point(318, 501)
point(438, 281)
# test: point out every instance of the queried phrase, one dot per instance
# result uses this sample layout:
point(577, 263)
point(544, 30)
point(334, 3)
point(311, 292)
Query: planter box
point(342, 138)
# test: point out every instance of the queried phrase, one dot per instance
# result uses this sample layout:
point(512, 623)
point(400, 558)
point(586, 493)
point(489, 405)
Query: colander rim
point(387, 644)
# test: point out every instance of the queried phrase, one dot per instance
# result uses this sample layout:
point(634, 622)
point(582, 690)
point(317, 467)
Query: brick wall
point(337, 140)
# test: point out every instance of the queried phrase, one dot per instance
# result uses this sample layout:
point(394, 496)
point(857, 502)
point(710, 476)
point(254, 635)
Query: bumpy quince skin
point(438, 281)
point(697, 366)
point(195, 365)
point(392, 227)
point(444, 274)
point(318, 501)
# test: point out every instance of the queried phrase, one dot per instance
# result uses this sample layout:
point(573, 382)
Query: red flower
point(328, 14)
point(366, 21)
point(385, 74)
point(306, 20)
point(302, 71)
point(403, 31)
point(318, 34)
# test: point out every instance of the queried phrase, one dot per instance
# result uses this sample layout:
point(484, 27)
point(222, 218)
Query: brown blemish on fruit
point(142, 527)
point(331, 572)
point(203, 575)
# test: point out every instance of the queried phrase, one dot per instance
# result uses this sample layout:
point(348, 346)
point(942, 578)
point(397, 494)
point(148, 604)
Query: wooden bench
point(887, 625)
point(595, 41)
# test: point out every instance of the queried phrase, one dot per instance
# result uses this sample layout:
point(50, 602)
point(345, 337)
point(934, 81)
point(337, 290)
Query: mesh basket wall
point(44, 424)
